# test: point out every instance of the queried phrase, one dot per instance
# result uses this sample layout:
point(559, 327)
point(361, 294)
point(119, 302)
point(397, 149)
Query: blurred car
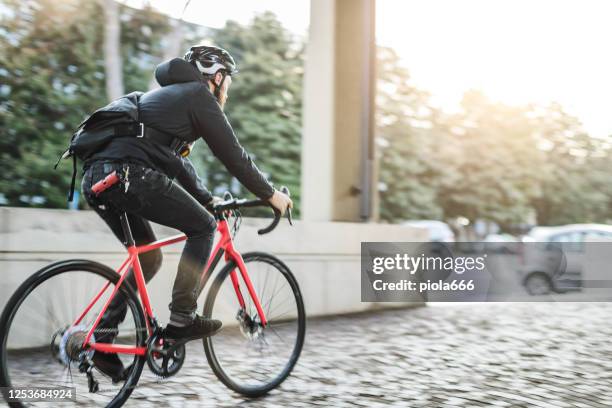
point(501, 243)
point(553, 257)
point(438, 231)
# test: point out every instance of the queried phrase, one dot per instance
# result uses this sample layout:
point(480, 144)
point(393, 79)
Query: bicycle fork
point(247, 280)
point(225, 246)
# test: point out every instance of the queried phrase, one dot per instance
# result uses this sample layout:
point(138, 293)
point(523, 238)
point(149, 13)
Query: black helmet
point(209, 60)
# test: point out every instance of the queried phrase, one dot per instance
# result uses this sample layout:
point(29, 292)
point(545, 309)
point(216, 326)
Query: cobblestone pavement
point(470, 355)
point(465, 355)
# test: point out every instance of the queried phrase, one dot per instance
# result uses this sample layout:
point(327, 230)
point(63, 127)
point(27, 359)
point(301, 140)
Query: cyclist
point(161, 185)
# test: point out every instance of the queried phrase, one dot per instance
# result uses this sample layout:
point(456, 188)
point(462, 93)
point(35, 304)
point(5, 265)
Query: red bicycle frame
point(225, 245)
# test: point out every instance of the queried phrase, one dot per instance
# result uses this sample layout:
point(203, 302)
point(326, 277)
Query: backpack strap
point(62, 156)
point(74, 173)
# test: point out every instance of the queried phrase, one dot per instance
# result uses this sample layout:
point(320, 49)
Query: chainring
point(163, 358)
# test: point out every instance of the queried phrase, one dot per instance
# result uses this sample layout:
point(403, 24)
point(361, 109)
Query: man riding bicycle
point(160, 184)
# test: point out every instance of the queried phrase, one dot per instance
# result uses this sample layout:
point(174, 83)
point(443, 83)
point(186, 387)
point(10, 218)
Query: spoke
point(279, 316)
point(64, 303)
point(269, 303)
point(259, 284)
point(251, 303)
point(72, 305)
point(289, 296)
point(37, 319)
point(277, 335)
point(274, 292)
point(34, 318)
point(51, 315)
point(80, 301)
point(263, 291)
point(257, 365)
point(283, 323)
point(66, 376)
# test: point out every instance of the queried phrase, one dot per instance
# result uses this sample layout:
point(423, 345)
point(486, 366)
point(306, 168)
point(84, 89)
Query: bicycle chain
point(144, 329)
point(159, 379)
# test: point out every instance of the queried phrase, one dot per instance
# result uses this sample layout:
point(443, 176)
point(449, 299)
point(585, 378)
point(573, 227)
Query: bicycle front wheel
point(246, 356)
point(40, 347)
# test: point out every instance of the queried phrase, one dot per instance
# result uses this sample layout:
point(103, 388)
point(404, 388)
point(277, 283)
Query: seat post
point(127, 232)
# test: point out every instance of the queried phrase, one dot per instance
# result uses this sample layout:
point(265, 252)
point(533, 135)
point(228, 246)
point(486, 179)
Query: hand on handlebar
point(211, 205)
point(280, 201)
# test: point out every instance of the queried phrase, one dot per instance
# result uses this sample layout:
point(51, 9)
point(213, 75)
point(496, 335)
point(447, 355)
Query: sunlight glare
point(515, 51)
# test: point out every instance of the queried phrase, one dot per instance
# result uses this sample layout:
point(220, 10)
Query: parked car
point(438, 231)
point(501, 243)
point(553, 257)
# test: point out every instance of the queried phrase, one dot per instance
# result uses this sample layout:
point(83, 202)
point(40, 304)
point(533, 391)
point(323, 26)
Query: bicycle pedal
point(172, 347)
point(169, 347)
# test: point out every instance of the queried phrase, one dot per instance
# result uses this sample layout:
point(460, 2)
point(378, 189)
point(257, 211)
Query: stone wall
point(324, 256)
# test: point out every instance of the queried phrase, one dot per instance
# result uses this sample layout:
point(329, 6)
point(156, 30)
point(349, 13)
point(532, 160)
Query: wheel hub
point(71, 344)
point(250, 327)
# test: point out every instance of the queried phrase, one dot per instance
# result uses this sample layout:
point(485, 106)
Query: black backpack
point(117, 119)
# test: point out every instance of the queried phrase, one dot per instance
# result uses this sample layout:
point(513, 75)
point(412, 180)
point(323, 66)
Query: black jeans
point(151, 195)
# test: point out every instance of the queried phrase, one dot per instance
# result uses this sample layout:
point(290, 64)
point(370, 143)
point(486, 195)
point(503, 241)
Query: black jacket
point(185, 107)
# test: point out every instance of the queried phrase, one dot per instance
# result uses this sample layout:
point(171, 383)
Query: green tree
point(52, 76)
point(143, 32)
point(575, 173)
point(493, 170)
point(44, 47)
point(406, 142)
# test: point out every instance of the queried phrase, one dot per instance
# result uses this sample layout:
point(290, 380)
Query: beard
point(221, 100)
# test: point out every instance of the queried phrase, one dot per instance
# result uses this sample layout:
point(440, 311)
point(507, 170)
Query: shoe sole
point(114, 377)
point(184, 340)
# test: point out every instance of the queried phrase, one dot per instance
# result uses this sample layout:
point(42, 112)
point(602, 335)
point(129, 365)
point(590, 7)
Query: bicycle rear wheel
point(247, 357)
point(39, 347)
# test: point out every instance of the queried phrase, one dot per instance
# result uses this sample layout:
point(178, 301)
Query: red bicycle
point(49, 326)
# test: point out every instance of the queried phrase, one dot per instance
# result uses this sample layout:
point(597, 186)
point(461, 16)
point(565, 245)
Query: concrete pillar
point(338, 167)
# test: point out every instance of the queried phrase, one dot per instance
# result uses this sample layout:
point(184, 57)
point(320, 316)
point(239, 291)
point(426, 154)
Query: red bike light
point(102, 185)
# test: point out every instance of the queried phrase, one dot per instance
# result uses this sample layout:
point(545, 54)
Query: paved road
point(502, 355)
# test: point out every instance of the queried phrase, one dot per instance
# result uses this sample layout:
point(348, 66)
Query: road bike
point(50, 326)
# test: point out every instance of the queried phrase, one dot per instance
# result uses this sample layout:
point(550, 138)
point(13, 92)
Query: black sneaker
point(110, 364)
point(200, 327)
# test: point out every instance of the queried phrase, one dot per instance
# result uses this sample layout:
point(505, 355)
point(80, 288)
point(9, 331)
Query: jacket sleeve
point(189, 180)
point(211, 124)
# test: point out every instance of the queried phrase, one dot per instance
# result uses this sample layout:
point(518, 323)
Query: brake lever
point(227, 197)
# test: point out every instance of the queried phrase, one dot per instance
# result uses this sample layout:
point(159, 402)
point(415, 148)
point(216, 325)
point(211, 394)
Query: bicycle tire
point(255, 391)
point(49, 272)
